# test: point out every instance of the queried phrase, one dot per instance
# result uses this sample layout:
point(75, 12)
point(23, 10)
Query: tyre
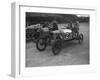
point(57, 46)
point(41, 44)
point(80, 38)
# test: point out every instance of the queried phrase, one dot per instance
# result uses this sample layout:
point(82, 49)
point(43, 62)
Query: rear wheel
point(41, 44)
point(57, 46)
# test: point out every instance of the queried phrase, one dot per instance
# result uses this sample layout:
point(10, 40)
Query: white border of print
point(18, 41)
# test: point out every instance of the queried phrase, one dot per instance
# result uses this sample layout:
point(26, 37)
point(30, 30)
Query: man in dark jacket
point(55, 25)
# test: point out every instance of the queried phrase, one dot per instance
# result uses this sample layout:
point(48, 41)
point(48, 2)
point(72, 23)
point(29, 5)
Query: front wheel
point(41, 44)
point(57, 46)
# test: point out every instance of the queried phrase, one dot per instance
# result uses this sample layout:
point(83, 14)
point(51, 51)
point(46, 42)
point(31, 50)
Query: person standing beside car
point(76, 26)
point(75, 29)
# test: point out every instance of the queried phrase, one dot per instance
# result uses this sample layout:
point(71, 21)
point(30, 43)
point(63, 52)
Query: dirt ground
point(71, 54)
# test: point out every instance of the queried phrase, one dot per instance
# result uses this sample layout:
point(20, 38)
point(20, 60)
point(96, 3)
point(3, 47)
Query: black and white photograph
point(54, 39)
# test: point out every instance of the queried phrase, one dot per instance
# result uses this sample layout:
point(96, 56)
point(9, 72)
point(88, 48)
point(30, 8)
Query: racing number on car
point(66, 36)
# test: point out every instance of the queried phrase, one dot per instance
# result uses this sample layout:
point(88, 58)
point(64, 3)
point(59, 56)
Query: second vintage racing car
point(57, 39)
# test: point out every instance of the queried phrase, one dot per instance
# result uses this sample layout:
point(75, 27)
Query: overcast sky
point(83, 15)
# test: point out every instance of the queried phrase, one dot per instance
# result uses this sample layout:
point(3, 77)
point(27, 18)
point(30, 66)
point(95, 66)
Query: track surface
point(71, 54)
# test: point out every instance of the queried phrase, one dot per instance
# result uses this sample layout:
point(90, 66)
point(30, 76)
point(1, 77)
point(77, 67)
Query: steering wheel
point(50, 27)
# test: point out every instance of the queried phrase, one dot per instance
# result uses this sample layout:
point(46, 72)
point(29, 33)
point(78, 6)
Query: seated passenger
point(70, 25)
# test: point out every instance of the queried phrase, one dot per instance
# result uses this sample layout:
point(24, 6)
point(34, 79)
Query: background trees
point(35, 18)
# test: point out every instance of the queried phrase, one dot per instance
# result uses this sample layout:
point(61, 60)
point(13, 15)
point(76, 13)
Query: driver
point(46, 24)
point(54, 25)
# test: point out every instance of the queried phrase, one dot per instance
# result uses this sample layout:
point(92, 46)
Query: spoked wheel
point(80, 38)
point(41, 44)
point(57, 46)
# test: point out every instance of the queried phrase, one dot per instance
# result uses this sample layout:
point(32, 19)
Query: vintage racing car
point(57, 38)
